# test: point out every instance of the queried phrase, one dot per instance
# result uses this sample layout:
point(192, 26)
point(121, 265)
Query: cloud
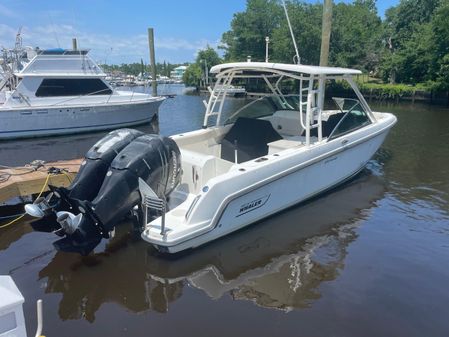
point(6, 31)
point(114, 48)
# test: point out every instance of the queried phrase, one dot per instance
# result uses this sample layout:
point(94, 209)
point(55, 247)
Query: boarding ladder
point(309, 106)
point(215, 104)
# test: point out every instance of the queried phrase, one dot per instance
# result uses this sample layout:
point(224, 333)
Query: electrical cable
point(21, 216)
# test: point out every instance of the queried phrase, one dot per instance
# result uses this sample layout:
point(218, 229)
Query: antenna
point(18, 44)
point(291, 32)
point(54, 30)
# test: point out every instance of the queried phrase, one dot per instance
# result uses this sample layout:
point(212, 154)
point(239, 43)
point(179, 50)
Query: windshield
point(265, 106)
point(354, 117)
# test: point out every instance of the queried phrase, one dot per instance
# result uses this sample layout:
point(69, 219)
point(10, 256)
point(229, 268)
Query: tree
point(192, 75)
point(356, 36)
point(440, 39)
point(196, 71)
point(306, 25)
point(408, 40)
point(209, 55)
point(249, 29)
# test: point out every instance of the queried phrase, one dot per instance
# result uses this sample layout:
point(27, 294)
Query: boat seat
point(287, 122)
point(328, 126)
point(284, 144)
point(252, 137)
point(198, 168)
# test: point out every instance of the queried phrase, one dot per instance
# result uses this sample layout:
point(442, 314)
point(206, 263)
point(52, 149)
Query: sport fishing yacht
point(242, 166)
point(64, 91)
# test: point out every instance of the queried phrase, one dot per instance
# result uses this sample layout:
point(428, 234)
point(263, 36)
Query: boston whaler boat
point(192, 188)
point(269, 155)
point(64, 91)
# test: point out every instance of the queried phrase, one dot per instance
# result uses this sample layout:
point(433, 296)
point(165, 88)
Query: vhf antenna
point(291, 33)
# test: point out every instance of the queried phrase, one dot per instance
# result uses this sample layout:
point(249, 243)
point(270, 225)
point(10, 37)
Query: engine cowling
point(87, 182)
point(152, 158)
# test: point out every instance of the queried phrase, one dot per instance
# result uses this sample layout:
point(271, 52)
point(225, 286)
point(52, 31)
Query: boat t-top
point(277, 150)
point(64, 91)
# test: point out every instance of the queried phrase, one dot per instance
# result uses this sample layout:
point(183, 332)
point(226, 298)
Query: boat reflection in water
point(280, 263)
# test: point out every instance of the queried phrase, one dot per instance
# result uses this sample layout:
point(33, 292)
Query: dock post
point(326, 33)
point(74, 44)
point(152, 61)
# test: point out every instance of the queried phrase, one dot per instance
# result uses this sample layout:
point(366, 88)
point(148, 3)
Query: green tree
point(196, 72)
point(209, 55)
point(249, 29)
point(408, 56)
point(306, 25)
point(192, 75)
point(356, 36)
point(440, 39)
point(355, 39)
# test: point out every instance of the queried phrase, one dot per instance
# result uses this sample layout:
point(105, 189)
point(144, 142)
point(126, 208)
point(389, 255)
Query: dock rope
point(33, 166)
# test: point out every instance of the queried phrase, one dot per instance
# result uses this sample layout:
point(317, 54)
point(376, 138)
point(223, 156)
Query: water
point(368, 259)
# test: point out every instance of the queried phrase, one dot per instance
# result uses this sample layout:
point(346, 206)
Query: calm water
point(368, 259)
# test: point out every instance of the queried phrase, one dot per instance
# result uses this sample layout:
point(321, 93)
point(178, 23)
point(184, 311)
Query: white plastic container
point(12, 322)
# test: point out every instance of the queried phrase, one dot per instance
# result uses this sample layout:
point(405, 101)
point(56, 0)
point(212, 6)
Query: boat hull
point(48, 121)
point(335, 165)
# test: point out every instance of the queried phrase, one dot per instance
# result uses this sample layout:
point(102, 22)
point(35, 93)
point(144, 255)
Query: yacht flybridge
point(242, 166)
point(64, 91)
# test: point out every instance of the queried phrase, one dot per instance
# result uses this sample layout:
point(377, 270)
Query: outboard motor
point(151, 158)
point(86, 184)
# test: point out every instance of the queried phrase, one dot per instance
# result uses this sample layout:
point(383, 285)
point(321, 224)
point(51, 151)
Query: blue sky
point(116, 31)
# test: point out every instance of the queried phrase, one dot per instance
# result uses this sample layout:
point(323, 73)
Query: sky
point(116, 31)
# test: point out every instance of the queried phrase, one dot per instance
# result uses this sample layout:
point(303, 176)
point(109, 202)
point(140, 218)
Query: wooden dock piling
point(326, 33)
point(152, 61)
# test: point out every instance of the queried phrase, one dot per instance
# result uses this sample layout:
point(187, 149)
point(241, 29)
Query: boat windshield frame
point(311, 85)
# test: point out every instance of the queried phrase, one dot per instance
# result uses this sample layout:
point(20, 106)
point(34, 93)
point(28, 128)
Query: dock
point(32, 179)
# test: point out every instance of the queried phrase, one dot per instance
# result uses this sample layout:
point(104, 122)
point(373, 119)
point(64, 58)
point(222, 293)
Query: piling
point(152, 60)
point(326, 33)
point(74, 44)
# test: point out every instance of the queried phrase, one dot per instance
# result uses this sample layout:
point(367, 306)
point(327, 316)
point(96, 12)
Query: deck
point(29, 180)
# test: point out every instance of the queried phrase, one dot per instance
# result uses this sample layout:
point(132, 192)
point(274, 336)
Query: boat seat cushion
point(287, 122)
point(252, 136)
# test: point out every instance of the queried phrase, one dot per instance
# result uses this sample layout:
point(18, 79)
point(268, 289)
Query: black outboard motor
point(152, 158)
point(87, 182)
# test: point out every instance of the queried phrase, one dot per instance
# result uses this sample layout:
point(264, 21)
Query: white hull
point(265, 188)
point(46, 121)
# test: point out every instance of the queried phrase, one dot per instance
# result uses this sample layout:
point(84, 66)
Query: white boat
point(12, 320)
point(269, 155)
point(242, 166)
point(64, 91)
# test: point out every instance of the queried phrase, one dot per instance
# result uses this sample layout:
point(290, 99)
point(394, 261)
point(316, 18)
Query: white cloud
point(6, 31)
point(114, 48)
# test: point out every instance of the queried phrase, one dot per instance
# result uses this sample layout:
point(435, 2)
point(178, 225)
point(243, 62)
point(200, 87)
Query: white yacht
point(241, 167)
point(64, 91)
